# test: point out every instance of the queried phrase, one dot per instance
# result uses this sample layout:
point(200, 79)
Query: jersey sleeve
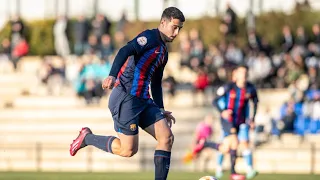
point(143, 42)
point(254, 95)
point(156, 84)
point(220, 100)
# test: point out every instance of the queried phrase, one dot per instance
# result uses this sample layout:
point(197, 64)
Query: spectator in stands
point(169, 85)
point(202, 82)
point(250, 20)
point(5, 48)
point(315, 38)
point(53, 75)
point(234, 54)
point(61, 40)
point(260, 69)
point(90, 77)
point(119, 40)
point(266, 47)
point(287, 40)
point(301, 37)
point(81, 31)
point(293, 72)
point(184, 49)
point(254, 41)
point(285, 124)
point(17, 30)
point(229, 22)
point(213, 58)
point(100, 25)
point(21, 49)
point(106, 48)
point(92, 48)
point(5, 56)
point(314, 77)
point(122, 22)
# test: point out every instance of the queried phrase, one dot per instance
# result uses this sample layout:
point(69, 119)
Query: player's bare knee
point(244, 144)
point(128, 153)
point(167, 140)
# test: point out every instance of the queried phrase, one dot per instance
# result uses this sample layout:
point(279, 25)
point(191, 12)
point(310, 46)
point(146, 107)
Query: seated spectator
point(260, 69)
point(234, 54)
point(169, 85)
point(315, 38)
point(20, 50)
point(5, 55)
point(106, 47)
point(301, 37)
point(88, 84)
point(92, 48)
point(184, 49)
point(52, 76)
point(287, 40)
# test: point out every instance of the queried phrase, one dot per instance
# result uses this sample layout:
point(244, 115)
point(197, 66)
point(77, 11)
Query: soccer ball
point(208, 178)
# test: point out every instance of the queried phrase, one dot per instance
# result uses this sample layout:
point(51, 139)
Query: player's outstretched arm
point(156, 90)
point(120, 59)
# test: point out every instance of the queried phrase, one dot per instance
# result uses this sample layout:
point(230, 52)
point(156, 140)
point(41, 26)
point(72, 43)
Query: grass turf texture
point(134, 176)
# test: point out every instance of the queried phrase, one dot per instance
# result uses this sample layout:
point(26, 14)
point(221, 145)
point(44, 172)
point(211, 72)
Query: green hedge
point(40, 36)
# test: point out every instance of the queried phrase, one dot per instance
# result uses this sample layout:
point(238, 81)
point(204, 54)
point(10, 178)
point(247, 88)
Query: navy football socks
point(162, 164)
point(233, 154)
point(101, 142)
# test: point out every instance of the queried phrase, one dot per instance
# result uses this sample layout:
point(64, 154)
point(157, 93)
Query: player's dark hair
point(242, 66)
point(173, 12)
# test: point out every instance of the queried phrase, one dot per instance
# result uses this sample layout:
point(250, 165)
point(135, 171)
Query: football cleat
point(78, 143)
point(237, 177)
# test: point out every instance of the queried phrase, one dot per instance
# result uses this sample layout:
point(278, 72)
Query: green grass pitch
point(135, 176)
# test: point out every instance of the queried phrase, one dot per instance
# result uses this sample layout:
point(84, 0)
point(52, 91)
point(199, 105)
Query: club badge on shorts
point(133, 127)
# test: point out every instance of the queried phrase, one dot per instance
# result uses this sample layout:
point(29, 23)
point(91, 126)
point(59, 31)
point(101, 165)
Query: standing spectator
point(17, 30)
point(250, 20)
point(100, 25)
point(229, 22)
point(287, 40)
point(61, 41)
point(21, 49)
point(81, 30)
point(315, 38)
point(122, 22)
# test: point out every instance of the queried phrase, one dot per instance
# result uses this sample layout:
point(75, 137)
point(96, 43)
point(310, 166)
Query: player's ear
point(164, 22)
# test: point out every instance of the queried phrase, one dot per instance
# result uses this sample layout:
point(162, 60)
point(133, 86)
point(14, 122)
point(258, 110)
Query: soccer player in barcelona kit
point(137, 65)
point(233, 103)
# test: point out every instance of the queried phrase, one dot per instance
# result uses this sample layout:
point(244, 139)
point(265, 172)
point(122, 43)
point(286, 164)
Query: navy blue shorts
point(242, 130)
point(130, 112)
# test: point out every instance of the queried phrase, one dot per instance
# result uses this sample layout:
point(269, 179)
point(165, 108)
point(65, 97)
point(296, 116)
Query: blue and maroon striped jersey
point(146, 66)
point(230, 96)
